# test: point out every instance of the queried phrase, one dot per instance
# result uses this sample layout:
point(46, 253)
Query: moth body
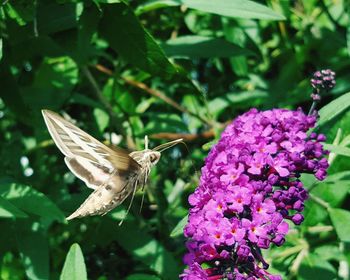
point(115, 189)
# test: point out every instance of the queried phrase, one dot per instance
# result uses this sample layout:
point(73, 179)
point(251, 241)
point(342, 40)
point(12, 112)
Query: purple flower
point(249, 187)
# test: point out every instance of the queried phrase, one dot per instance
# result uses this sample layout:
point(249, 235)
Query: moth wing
point(86, 157)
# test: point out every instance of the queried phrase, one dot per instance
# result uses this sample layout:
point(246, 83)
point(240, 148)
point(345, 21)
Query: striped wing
point(89, 159)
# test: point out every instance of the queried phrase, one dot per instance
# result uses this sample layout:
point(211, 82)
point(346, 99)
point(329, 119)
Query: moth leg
point(131, 201)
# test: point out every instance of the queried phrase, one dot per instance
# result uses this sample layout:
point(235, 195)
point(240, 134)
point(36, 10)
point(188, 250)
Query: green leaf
point(74, 266)
point(129, 38)
point(102, 119)
point(164, 123)
point(348, 39)
point(156, 4)
point(334, 108)
point(87, 26)
point(245, 99)
point(34, 249)
point(0, 49)
point(179, 228)
point(31, 201)
point(8, 210)
point(340, 150)
point(234, 8)
point(54, 80)
point(144, 248)
point(53, 17)
point(11, 94)
point(313, 265)
point(341, 221)
point(202, 47)
point(142, 277)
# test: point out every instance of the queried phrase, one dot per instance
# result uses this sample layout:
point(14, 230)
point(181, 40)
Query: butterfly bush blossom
point(248, 189)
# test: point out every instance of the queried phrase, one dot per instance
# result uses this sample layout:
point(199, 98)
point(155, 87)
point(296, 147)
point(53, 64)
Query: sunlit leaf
point(339, 150)
point(156, 4)
point(234, 8)
point(74, 266)
point(202, 47)
point(340, 219)
point(179, 228)
point(334, 108)
point(135, 44)
point(31, 201)
point(102, 119)
point(8, 210)
point(34, 248)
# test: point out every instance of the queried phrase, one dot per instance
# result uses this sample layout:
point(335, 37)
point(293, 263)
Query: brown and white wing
point(89, 159)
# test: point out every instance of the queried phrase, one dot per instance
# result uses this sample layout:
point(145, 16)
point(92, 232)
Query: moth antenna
point(146, 142)
point(188, 151)
point(143, 198)
point(131, 201)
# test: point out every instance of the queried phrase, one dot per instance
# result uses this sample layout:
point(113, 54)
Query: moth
point(111, 172)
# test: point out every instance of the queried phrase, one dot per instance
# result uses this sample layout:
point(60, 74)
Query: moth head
point(153, 156)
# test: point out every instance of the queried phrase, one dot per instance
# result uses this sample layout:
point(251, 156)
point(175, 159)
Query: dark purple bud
point(313, 135)
point(298, 205)
point(321, 174)
point(263, 243)
point(284, 212)
point(275, 277)
point(279, 240)
point(321, 138)
point(297, 219)
point(243, 251)
point(272, 179)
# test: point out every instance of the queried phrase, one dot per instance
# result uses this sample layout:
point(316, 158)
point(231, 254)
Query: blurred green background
point(167, 69)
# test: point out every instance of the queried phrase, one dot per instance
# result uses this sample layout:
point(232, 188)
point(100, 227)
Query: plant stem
point(312, 108)
point(319, 201)
point(158, 94)
point(130, 142)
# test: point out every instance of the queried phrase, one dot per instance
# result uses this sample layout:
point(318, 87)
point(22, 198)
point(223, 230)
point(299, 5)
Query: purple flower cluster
point(249, 187)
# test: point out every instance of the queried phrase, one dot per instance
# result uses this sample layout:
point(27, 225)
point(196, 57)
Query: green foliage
point(169, 69)
point(74, 266)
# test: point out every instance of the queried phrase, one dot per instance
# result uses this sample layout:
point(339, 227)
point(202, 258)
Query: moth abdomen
point(101, 201)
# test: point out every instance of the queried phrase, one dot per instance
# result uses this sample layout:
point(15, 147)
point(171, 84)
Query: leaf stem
point(158, 94)
point(130, 142)
point(298, 260)
point(319, 201)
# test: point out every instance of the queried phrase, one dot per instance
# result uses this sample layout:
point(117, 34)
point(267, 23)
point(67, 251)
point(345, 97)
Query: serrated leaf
point(31, 201)
point(74, 266)
point(131, 40)
point(334, 108)
point(341, 222)
point(8, 210)
point(202, 47)
point(179, 228)
point(234, 8)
